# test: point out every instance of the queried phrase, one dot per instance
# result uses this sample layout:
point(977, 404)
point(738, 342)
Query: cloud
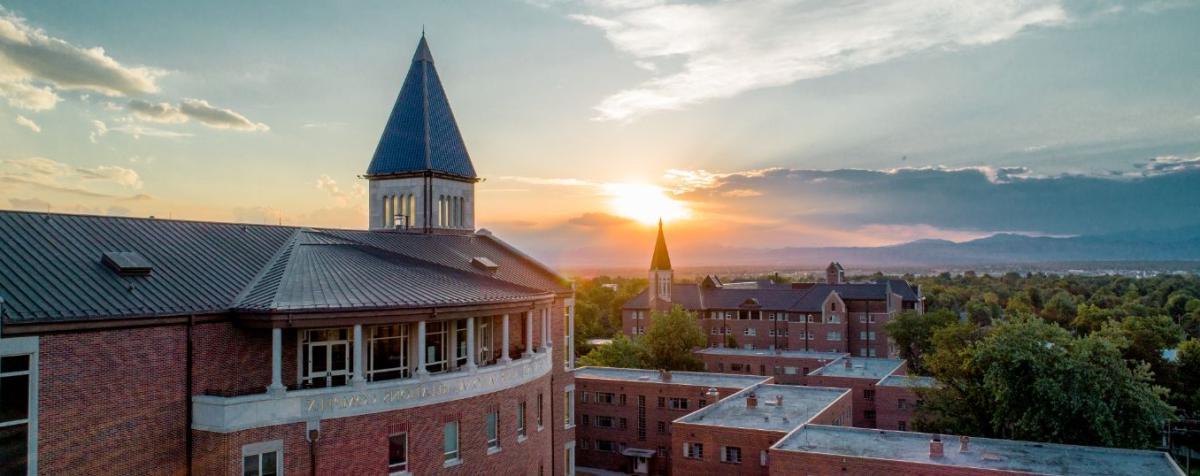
point(341, 197)
point(730, 47)
point(33, 65)
point(598, 220)
point(107, 181)
point(100, 129)
point(29, 204)
point(197, 109)
point(1168, 164)
point(26, 122)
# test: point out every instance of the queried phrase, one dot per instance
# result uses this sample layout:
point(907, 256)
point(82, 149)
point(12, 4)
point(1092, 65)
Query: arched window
point(395, 209)
point(412, 209)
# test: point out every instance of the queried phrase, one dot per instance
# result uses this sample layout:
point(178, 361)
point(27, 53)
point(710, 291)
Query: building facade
point(834, 316)
point(420, 346)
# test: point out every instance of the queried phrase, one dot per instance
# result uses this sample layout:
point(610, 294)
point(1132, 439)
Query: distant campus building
point(147, 346)
point(835, 316)
point(805, 390)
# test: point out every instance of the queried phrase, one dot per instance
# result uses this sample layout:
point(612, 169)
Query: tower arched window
point(395, 209)
point(412, 208)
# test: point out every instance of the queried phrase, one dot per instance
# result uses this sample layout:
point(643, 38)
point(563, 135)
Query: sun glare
point(644, 203)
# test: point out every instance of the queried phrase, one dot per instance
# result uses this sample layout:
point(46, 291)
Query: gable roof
point(51, 269)
point(421, 134)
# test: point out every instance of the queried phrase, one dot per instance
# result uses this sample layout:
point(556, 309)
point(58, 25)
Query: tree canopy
point(667, 344)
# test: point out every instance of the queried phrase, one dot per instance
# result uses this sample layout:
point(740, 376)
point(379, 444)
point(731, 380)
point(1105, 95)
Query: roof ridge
point(284, 252)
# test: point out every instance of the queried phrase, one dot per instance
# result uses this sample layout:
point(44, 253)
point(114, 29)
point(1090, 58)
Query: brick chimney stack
point(752, 401)
point(935, 447)
point(664, 375)
point(779, 400)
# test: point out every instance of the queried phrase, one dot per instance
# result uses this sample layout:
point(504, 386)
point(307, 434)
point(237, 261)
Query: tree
point(622, 352)
point(913, 334)
point(1032, 380)
point(670, 339)
point(1187, 387)
point(1060, 308)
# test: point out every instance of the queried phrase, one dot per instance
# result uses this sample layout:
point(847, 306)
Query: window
point(16, 372)
point(731, 454)
point(583, 397)
point(605, 398)
point(605, 445)
point(569, 459)
point(833, 306)
point(604, 421)
point(714, 331)
point(521, 433)
point(641, 430)
point(901, 403)
point(461, 352)
point(485, 339)
point(703, 403)
point(262, 459)
point(398, 453)
point(750, 332)
point(539, 412)
point(493, 431)
point(833, 335)
point(583, 420)
point(622, 399)
point(789, 371)
point(902, 425)
point(864, 335)
point(450, 443)
point(387, 349)
point(869, 414)
point(833, 319)
point(868, 395)
point(679, 403)
point(436, 341)
point(569, 337)
point(325, 355)
point(737, 367)
point(662, 402)
point(623, 423)
point(693, 450)
point(569, 411)
point(662, 427)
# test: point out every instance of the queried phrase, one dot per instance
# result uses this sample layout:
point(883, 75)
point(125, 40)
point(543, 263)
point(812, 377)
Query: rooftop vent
point(126, 263)
point(751, 400)
point(484, 263)
point(935, 447)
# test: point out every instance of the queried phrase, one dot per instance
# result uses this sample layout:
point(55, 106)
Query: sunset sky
point(743, 123)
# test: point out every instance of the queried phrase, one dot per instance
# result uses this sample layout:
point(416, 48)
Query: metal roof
point(421, 133)
point(51, 268)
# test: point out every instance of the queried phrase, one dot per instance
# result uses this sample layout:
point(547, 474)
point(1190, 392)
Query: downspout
point(188, 388)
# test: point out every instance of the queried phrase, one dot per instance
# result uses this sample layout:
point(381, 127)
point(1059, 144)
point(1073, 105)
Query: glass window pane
point(250, 466)
point(270, 464)
point(14, 363)
point(13, 449)
point(450, 440)
point(14, 398)
point(398, 452)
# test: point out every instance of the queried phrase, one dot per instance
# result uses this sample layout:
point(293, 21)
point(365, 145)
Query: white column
point(528, 334)
point(546, 341)
point(276, 362)
point(421, 370)
point(359, 378)
point(471, 352)
point(504, 358)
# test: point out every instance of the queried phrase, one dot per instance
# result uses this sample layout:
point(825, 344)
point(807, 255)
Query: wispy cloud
point(734, 46)
point(104, 181)
point(100, 129)
point(28, 123)
point(342, 197)
point(197, 109)
point(33, 65)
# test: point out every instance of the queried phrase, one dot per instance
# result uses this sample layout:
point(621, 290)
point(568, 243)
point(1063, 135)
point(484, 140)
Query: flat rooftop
point(984, 453)
point(699, 379)
point(800, 404)
point(912, 381)
point(860, 367)
point(795, 354)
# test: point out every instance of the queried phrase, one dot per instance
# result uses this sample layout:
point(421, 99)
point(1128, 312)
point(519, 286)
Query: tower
point(661, 275)
point(421, 178)
point(834, 273)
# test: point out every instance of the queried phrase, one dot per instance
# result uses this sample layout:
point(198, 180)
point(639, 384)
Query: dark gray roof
point(51, 268)
point(772, 296)
point(421, 134)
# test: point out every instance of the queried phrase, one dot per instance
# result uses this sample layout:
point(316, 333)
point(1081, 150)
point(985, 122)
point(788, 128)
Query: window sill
point(540, 428)
point(568, 427)
point(493, 450)
point(522, 438)
point(452, 463)
point(400, 473)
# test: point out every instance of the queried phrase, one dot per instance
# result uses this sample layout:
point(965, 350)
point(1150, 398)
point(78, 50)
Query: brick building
point(834, 316)
point(861, 377)
point(823, 450)
point(896, 400)
point(147, 346)
point(625, 415)
point(790, 367)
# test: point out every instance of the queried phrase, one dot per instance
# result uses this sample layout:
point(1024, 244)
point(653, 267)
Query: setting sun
point(644, 203)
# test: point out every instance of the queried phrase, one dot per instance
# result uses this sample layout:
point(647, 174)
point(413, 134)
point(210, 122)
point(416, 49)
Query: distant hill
point(1181, 244)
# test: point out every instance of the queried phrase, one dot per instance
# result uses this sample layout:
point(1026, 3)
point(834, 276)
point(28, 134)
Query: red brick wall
point(752, 443)
point(359, 445)
point(560, 379)
point(651, 391)
point(113, 402)
point(236, 360)
point(888, 410)
point(724, 364)
point(857, 387)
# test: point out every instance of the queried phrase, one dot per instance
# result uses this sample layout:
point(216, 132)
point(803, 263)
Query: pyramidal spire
point(421, 135)
point(661, 260)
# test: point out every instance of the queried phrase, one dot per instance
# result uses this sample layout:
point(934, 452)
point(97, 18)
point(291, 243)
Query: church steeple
point(421, 176)
point(662, 278)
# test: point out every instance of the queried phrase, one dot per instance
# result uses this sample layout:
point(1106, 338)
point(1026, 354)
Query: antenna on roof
point(422, 30)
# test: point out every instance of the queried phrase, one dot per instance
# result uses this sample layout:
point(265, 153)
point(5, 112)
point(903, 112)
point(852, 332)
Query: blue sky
point(1047, 115)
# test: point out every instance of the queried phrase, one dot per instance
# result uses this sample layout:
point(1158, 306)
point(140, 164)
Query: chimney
point(964, 444)
point(664, 375)
point(779, 400)
point(935, 447)
point(751, 400)
point(849, 364)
